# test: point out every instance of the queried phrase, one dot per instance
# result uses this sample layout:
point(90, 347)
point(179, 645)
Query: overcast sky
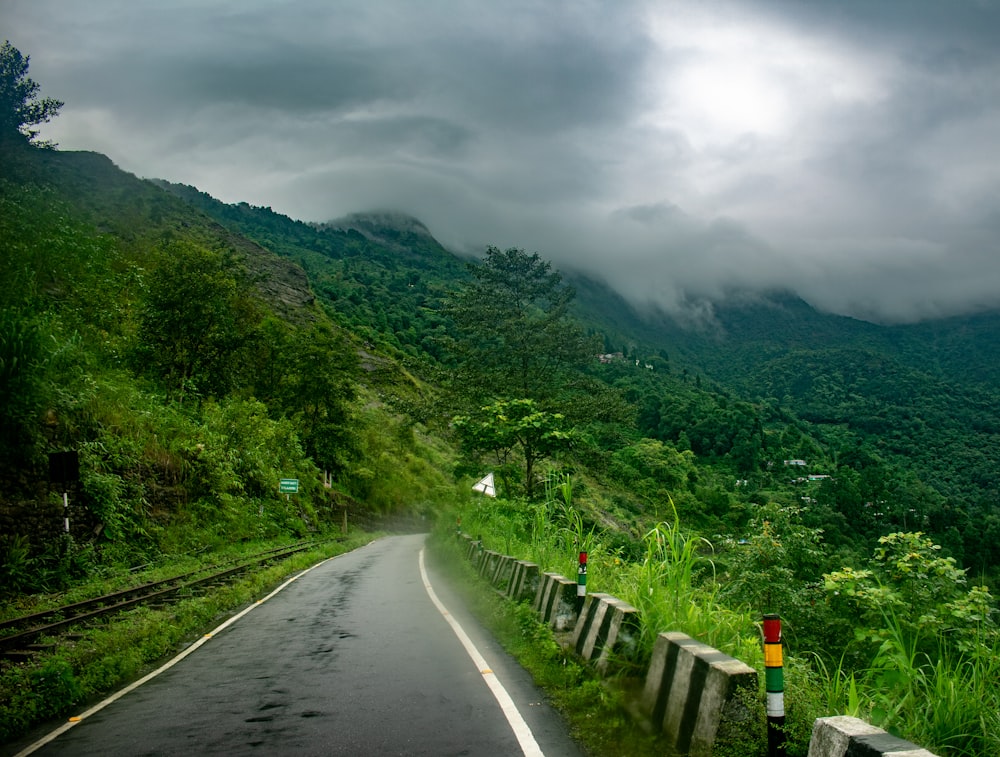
point(846, 149)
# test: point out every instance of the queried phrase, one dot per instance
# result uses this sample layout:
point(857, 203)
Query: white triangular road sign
point(485, 485)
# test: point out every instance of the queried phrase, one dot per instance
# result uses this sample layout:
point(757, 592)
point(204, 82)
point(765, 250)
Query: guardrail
point(694, 694)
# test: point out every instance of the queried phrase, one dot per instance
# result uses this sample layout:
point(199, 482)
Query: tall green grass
point(946, 701)
point(938, 689)
point(673, 586)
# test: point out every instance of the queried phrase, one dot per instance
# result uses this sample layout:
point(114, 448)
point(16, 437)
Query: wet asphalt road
point(353, 658)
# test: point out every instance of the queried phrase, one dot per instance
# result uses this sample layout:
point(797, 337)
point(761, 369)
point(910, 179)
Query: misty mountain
point(392, 229)
point(731, 342)
point(737, 381)
point(728, 340)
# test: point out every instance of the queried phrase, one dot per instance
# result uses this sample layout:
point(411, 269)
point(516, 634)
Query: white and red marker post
point(581, 582)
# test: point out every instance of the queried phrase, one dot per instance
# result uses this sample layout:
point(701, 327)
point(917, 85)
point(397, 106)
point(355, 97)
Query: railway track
point(19, 637)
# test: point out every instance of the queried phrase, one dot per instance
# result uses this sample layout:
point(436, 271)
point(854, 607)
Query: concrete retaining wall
point(850, 737)
point(606, 630)
point(691, 692)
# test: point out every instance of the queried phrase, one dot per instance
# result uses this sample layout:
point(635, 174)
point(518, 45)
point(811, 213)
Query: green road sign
point(288, 486)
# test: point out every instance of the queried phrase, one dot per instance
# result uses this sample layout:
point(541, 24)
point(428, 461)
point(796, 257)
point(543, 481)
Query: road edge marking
point(522, 731)
point(77, 719)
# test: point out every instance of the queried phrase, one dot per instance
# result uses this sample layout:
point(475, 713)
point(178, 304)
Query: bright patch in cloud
point(723, 99)
point(718, 81)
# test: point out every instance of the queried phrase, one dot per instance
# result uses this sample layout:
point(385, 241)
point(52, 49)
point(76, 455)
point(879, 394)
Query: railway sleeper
point(19, 655)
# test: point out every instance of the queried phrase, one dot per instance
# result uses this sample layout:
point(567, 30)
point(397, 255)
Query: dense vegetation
point(193, 353)
point(189, 368)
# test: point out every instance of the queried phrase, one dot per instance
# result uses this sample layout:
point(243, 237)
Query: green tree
point(200, 315)
point(772, 568)
point(516, 337)
point(842, 493)
point(309, 374)
point(511, 427)
point(319, 387)
point(652, 469)
point(20, 106)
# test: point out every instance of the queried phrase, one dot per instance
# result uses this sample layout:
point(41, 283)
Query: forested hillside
point(390, 285)
point(902, 415)
point(188, 367)
point(918, 403)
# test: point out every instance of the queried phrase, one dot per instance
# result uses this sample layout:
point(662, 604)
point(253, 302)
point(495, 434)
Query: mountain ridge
point(753, 324)
point(744, 316)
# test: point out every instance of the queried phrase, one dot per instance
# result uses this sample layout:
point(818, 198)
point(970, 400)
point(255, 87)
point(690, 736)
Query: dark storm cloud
point(681, 150)
point(540, 74)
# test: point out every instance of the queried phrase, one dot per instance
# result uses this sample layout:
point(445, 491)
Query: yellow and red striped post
point(774, 683)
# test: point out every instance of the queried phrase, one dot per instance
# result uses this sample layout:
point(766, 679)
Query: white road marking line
point(521, 730)
point(76, 720)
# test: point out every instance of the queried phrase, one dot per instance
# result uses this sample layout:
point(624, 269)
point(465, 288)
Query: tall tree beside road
point(514, 426)
point(318, 385)
point(20, 106)
point(521, 357)
point(516, 338)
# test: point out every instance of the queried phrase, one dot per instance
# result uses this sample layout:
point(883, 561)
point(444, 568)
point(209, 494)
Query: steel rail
point(79, 612)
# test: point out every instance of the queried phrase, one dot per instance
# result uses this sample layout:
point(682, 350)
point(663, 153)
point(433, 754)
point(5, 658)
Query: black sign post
point(64, 468)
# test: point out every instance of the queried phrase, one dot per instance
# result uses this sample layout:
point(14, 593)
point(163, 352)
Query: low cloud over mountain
point(676, 149)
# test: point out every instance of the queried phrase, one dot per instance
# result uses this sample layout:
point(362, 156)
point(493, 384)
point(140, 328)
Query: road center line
point(521, 730)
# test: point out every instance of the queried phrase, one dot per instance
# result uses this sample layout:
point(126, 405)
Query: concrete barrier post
point(523, 581)
point(500, 578)
point(488, 563)
point(472, 552)
point(693, 693)
point(607, 629)
point(555, 601)
point(843, 736)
